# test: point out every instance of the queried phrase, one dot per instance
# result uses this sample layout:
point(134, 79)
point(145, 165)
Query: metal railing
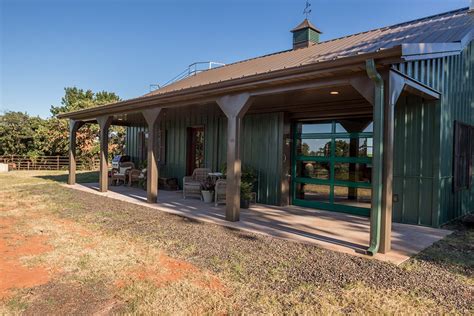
point(16, 162)
point(192, 70)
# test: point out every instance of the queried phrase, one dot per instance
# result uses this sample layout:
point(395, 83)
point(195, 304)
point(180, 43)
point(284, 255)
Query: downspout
point(377, 159)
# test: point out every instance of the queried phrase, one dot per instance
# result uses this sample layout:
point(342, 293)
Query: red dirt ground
point(172, 270)
point(13, 246)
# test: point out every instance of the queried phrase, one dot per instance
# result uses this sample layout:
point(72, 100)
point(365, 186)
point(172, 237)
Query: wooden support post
point(104, 124)
point(395, 85)
point(73, 127)
point(234, 107)
point(152, 118)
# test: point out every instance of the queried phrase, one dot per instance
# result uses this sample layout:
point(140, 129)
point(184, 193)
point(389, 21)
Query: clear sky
point(125, 45)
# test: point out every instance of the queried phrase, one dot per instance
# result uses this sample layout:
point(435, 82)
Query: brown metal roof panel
point(447, 27)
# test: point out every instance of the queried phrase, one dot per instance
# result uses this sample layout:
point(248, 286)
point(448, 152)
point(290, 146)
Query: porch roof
point(429, 37)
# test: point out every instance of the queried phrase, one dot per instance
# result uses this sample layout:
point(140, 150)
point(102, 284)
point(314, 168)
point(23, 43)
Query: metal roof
point(418, 35)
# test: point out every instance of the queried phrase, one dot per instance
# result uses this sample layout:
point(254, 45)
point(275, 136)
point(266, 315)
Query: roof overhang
point(417, 51)
point(399, 82)
point(259, 84)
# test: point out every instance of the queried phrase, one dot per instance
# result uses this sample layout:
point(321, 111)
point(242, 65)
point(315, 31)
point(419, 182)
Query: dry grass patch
point(123, 258)
point(56, 264)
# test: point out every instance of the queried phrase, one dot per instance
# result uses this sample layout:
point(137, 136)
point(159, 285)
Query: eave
point(255, 83)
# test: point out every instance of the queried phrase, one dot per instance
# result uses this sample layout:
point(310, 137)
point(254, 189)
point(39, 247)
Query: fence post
point(57, 162)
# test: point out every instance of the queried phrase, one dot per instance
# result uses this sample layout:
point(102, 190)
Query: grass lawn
point(64, 251)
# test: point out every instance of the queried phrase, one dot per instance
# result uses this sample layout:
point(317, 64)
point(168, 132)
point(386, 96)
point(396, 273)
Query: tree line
point(33, 136)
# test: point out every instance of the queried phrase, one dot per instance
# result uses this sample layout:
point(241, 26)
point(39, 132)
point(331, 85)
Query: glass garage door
point(332, 165)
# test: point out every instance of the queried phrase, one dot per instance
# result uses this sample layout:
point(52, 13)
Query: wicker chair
point(136, 175)
point(192, 184)
point(122, 173)
point(220, 192)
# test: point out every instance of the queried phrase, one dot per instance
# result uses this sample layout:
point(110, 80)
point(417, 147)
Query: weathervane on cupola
point(305, 34)
point(307, 9)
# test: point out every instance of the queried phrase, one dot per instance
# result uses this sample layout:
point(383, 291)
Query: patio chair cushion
point(123, 170)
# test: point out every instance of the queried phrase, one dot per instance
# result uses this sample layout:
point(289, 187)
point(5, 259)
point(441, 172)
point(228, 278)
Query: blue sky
point(124, 45)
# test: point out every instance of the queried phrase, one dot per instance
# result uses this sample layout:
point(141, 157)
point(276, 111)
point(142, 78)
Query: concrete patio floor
point(335, 231)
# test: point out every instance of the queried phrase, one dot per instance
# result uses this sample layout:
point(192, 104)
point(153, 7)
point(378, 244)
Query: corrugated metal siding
point(262, 141)
point(262, 149)
point(132, 144)
point(453, 76)
point(415, 144)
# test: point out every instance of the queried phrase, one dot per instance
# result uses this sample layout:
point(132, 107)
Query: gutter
point(377, 160)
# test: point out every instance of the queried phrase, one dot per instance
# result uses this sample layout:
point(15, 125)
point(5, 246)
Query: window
point(160, 143)
point(463, 156)
point(332, 165)
point(195, 149)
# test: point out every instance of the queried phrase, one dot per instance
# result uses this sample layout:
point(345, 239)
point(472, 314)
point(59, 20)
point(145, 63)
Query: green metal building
point(378, 124)
point(423, 154)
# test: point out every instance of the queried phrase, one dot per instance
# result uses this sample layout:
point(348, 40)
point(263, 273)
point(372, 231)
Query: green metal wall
point(423, 153)
point(416, 142)
point(262, 143)
point(424, 134)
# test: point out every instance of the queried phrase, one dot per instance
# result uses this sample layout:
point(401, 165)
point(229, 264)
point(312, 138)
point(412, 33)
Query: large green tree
point(78, 99)
point(21, 134)
point(17, 133)
point(87, 137)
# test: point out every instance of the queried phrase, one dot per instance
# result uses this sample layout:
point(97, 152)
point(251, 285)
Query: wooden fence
point(47, 162)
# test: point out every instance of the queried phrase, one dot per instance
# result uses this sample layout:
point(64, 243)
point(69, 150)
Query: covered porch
point(359, 87)
point(330, 230)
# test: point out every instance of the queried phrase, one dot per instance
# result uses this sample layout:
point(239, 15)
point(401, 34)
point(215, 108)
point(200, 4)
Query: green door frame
point(332, 160)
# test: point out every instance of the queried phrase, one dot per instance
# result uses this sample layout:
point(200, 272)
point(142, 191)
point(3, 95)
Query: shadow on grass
point(81, 177)
point(454, 252)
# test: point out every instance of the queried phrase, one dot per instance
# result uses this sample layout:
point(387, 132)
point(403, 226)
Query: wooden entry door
point(195, 149)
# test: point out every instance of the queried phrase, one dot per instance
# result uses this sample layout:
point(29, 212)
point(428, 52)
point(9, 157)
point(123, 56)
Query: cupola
point(305, 35)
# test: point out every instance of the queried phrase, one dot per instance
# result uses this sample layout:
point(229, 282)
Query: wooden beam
point(394, 87)
point(152, 118)
point(299, 107)
point(317, 115)
point(315, 84)
point(365, 87)
point(104, 124)
point(73, 128)
point(234, 108)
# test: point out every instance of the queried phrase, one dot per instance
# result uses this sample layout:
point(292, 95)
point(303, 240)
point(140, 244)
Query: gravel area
point(258, 266)
point(112, 254)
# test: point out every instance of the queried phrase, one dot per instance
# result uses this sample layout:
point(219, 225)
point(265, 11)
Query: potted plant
point(245, 194)
point(207, 190)
point(142, 166)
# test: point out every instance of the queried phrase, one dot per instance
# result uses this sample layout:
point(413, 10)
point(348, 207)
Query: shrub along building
point(377, 124)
